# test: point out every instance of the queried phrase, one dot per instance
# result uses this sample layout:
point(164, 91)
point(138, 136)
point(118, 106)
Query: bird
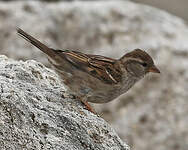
point(96, 78)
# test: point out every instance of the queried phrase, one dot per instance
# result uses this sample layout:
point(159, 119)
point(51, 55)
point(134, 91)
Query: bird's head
point(138, 63)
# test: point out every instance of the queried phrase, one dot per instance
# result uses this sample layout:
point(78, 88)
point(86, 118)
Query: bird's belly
point(90, 88)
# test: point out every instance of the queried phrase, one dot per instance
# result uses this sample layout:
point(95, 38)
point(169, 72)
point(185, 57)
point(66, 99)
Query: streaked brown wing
point(98, 66)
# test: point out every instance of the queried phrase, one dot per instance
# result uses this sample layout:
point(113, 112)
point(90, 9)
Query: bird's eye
point(144, 64)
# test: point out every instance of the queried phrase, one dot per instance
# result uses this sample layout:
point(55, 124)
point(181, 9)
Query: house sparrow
point(95, 78)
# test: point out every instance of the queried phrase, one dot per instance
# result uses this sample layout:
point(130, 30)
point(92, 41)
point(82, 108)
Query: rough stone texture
point(152, 115)
point(37, 113)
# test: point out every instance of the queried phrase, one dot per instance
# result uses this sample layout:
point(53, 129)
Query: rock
point(178, 8)
point(153, 114)
point(37, 113)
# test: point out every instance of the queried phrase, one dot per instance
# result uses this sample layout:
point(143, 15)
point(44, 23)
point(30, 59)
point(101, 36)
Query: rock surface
point(37, 113)
point(152, 115)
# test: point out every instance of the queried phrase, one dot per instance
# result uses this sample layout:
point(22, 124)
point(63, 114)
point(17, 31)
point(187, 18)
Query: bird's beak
point(154, 69)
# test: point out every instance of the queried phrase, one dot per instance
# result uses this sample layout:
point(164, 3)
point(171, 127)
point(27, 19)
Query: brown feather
point(98, 66)
point(140, 54)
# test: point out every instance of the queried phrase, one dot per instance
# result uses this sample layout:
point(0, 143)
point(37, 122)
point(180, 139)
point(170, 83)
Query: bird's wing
point(97, 66)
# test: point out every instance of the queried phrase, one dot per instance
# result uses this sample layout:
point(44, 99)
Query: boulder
point(38, 113)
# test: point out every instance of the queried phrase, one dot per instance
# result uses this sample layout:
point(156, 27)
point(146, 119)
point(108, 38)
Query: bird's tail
point(50, 52)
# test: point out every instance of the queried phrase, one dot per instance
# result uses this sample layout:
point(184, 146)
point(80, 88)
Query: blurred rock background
point(153, 114)
point(178, 8)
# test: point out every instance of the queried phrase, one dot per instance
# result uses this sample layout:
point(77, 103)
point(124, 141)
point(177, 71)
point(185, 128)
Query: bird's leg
point(87, 105)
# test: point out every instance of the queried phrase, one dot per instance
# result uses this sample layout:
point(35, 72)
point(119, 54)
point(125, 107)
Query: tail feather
point(50, 52)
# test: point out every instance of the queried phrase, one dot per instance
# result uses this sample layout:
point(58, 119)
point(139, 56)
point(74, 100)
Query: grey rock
point(153, 114)
point(37, 113)
point(178, 8)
